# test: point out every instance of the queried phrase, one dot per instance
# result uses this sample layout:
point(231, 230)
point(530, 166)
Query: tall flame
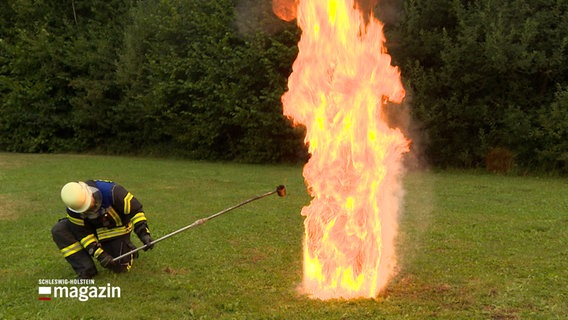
point(341, 80)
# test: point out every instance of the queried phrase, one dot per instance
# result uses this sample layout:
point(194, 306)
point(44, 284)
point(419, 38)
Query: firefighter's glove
point(105, 260)
point(147, 239)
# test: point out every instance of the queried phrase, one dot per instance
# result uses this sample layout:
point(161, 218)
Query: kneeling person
point(100, 217)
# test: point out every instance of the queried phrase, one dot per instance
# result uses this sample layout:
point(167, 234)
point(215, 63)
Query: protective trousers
point(69, 244)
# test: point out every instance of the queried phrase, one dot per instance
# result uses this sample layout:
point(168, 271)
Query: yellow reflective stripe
point(76, 221)
point(98, 252)
point(86, 241)
point(138, 217)
point(127, 199)
point(114, 215)
point(105, 233)
point(71, 249)
point(129, 266)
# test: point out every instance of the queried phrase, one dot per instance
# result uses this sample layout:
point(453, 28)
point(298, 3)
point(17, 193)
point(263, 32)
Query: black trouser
point(81, 261)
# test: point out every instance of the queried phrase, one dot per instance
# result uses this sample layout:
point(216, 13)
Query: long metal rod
point(281, 190)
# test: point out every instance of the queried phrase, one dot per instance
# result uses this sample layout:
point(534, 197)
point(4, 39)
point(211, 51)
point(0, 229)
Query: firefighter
point(100, 217)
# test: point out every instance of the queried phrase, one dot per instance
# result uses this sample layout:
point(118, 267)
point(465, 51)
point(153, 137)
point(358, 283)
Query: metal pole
point(281, 190)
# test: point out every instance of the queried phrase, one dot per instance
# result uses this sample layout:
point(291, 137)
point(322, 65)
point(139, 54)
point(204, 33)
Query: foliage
point(56, 73)
point(155, 77)
point(30, 87)
point(552, 135)
point(482, 73)
point(214, 93)
point(203, 79)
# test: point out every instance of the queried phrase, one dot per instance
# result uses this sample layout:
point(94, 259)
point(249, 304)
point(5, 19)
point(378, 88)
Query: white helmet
point(77, 196)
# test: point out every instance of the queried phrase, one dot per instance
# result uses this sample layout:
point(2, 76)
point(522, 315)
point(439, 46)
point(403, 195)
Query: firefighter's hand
point(146, 239)
point(105, 260)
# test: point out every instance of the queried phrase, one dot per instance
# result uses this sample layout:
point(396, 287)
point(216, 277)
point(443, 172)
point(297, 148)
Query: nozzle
point(281, 190)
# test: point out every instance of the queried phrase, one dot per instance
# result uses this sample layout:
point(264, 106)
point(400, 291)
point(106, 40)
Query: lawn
point(470, 245)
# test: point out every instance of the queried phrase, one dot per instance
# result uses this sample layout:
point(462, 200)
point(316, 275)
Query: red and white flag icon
point(44, 293)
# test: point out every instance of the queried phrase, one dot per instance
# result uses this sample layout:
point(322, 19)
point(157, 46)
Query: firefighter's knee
point(62, 235)
point(58, 230)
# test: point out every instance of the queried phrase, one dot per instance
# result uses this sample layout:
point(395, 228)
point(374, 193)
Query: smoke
point(399, 116)
point(389, 12)
point(258, 16)
point(366, 7)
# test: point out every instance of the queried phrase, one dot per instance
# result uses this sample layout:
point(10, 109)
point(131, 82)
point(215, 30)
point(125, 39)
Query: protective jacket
point(119, 214)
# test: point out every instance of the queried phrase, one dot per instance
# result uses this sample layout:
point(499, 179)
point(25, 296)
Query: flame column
point(340, 80)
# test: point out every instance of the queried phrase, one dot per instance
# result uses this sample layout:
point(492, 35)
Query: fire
point(341, 80)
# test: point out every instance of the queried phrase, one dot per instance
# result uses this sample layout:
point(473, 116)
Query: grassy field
point(471, 245)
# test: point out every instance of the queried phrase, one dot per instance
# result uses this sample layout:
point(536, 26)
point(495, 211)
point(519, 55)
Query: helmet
point(77, 196)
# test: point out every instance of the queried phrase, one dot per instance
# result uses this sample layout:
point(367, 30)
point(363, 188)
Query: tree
point(34, 80)
point(212, 92)
point(552, 135)
point(480, 80)
point(57, 79)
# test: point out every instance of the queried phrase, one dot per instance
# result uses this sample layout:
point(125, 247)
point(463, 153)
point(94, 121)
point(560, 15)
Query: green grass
point(470, 246)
